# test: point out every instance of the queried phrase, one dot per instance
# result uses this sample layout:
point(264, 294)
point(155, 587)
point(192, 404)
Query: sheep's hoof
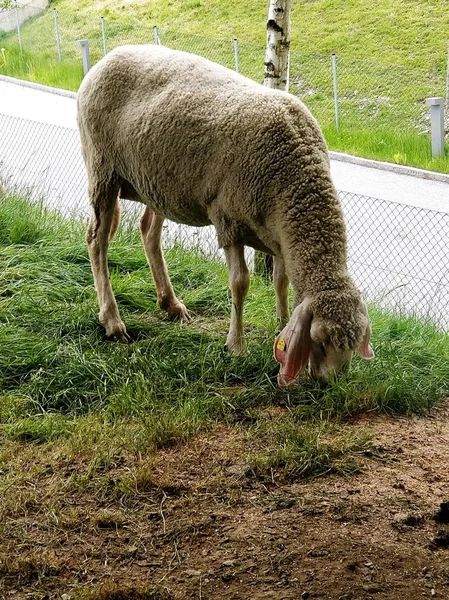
point(122, 338)
point(179, 312)
point(118, 333)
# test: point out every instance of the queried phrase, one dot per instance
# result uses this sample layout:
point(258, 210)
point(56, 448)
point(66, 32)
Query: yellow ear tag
point(281, 345)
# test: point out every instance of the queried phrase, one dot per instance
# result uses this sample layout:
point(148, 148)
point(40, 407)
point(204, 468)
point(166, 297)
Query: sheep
point(198, 144)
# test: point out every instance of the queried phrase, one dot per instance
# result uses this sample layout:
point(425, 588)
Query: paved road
point(399, 255)
point(37, 104)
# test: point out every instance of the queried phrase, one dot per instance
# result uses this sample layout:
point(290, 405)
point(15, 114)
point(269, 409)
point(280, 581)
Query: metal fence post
point(86, 54)
point(103, 35)
point(19, 35)
point(157, 40)
point(437, 125)
point(58, 39)
point(334, 77)
point(447, 83)
point(236, 55)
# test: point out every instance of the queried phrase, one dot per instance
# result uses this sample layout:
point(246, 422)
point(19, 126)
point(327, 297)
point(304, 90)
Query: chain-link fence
point(357, 95)
point(363, 95)
point(398, 255)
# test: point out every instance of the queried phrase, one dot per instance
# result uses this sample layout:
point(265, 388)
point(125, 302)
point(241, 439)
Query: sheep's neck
point(314, 247)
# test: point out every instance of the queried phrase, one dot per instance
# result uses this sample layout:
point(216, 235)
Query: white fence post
point(103, 36)
point(86, 54)
point(236, 55)
point(437, 125)
point(58, 39)
point(157, 40)
point(334, 77)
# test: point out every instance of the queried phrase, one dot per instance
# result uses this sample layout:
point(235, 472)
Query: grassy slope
point(391, 31)
point(59, 378)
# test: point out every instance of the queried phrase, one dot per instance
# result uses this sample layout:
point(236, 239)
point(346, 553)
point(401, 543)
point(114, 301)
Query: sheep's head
point(322, 334)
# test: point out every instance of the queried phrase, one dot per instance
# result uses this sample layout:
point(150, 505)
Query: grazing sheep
point(199, 144)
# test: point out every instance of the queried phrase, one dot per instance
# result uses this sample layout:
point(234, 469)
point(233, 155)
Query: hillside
point(391, 31)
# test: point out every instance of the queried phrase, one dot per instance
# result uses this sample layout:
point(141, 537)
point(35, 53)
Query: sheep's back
point(185, 130)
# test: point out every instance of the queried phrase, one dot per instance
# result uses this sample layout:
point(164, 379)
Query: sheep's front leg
point(280, 281)
point(151, 230)
point(239, 284)
point(97, 238)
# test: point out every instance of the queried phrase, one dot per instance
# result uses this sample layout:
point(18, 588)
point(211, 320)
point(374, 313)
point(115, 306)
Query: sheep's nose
point(285, 380)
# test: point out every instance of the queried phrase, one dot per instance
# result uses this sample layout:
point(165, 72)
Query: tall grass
point(40, 67)
point(57, 372)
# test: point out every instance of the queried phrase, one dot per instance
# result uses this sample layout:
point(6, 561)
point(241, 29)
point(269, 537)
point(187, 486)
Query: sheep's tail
point(115, 220)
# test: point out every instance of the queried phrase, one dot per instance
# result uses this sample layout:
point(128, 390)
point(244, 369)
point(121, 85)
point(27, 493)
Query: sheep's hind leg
point(281, 282)
point(151, 230)
point(239, 284)
point(103, 200)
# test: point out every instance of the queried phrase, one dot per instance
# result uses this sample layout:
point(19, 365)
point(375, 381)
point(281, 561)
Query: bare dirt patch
point(195, 522)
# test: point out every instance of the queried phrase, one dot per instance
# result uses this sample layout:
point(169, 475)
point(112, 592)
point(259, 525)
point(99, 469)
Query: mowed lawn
point(74, 403)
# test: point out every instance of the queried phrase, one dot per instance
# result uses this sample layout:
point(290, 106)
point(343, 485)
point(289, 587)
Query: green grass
point(384, 145)
point(391, 56)
point(392, 32)
point(61, 382)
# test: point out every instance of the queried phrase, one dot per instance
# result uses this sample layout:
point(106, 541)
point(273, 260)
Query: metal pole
point(103, 35)
point(157, 40)
point(86, 54)
point(236, 55)
point(19, 35)
point(58, 39)
point(437, 125)
point(334, 77)
point(447, 84)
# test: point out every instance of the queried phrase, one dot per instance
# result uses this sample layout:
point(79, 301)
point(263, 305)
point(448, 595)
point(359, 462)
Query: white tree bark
point(277, 61)
point(277, 55)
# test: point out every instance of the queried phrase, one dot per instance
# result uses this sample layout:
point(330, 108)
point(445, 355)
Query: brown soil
point(198, 524)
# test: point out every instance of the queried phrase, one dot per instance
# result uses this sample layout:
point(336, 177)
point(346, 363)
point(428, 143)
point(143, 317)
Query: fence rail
point(398, 254)
point(369, 96)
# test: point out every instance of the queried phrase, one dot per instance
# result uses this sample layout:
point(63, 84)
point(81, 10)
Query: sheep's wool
point(199, 144)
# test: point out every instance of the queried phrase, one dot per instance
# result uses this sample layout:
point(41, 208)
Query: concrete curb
point(38, 86)
point(349, 158)
point(392, 167)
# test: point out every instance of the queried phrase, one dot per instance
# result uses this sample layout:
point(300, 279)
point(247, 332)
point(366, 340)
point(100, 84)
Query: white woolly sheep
point(199, 144)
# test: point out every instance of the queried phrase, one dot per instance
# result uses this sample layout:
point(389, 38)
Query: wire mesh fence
point(367, 95)
point(398, 254)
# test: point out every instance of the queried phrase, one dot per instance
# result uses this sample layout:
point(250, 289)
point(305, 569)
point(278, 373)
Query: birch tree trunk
point(277, 54)
point(277, 63)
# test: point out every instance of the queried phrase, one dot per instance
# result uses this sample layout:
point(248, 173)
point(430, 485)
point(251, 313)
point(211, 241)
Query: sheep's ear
point(365, 349)
point(292, 346)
